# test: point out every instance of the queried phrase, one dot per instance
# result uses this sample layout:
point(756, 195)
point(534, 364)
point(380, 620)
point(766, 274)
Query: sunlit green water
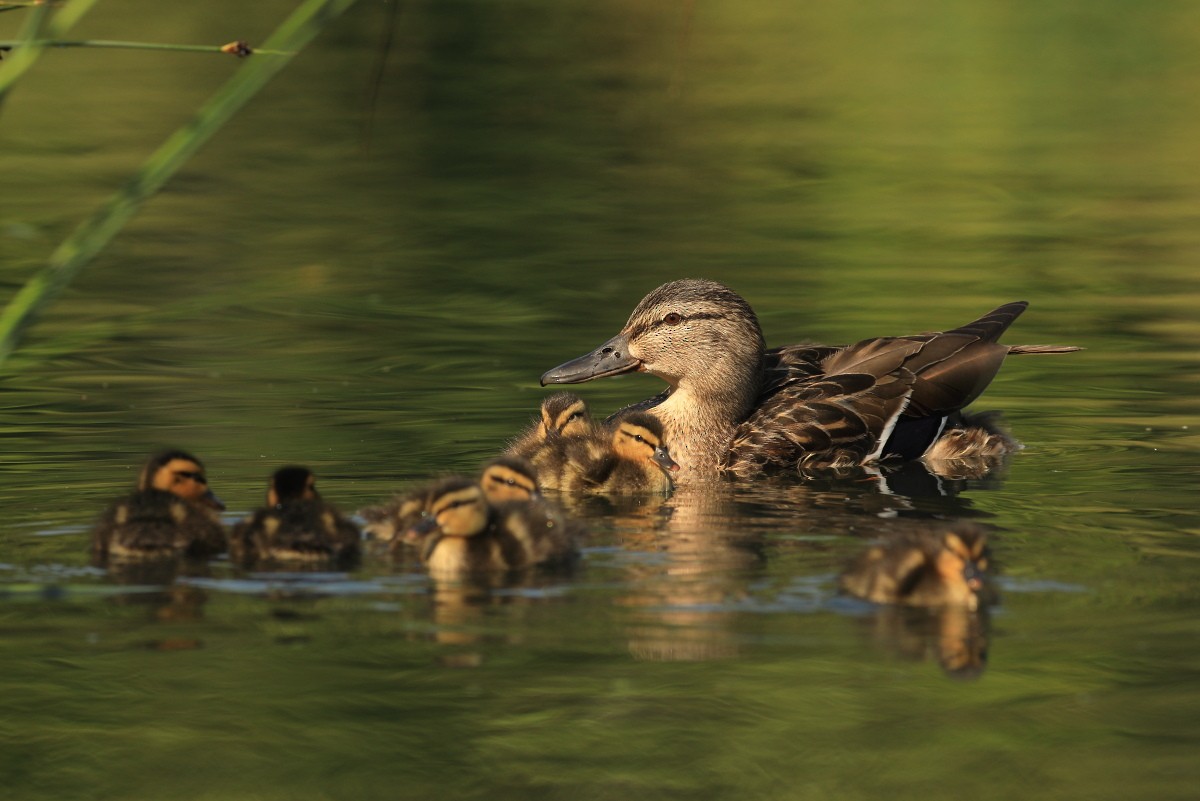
point(382, 312)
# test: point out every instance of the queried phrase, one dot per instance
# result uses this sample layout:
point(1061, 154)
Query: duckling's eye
point(673, 318)
point(639, 438)
point(192, 476)
point(512, 482)
point(575, 416)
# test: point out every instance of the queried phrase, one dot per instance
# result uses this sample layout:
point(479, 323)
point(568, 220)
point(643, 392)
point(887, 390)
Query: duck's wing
point(831, 420)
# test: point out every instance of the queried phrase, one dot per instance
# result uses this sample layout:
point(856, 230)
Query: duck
point(563, 425)
point(463, 533)
point(505, 478)
point(172, 513)
point(734, 408)
point(296, 525)
point(634, 460)
point(924, 567)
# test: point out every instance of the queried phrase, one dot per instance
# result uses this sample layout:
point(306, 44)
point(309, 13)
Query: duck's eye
point(639, 438)
point(673, 318)
point(575, 416)
point(512, 482)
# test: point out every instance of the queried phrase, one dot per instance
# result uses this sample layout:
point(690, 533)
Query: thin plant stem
point(95, 233)
point(106, 43)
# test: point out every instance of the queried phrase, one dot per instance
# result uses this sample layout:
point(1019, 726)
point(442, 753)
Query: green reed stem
point(94, 233)
point(27, 51)
point(13, 45)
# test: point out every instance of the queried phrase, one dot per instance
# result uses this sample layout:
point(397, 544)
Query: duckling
point(734, 407)
point(172, 513)
point(509, 478)
point(564, 423)
point(463, 533)
point(924, 567)
point(635, 461)
point(388, 521)
point(563, 414)
point(296, 525)
point(505, 478)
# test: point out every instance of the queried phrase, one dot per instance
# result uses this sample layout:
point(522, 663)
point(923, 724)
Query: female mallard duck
point(296, 525)
point(564, 424)
point(505, 478)
point(634, 460)
point(463, 533)
point(923, 568)
point(734, 407)
point(172, 513)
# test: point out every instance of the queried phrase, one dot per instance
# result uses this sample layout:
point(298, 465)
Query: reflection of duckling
point(172, 513)
point(462, 533)
point(923, 568)
point(636, 460)
point(509, 478)
point(295, 526)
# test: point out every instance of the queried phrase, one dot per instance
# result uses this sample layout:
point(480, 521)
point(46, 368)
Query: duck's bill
point(663, 459)
point(611, 358)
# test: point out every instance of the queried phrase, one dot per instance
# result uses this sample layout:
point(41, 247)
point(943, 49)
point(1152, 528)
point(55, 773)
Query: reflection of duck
point(635, 460)
point(172, 513)
point(731, 406)
point(463, 533)
point(923, 567)
point(296, 525)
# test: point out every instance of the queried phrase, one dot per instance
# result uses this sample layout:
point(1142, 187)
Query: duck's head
point(457, 508)
point(292, 483)
point(509, 478)
point(693, 333)
point(638, 436)
point(181, 474)
point(565, 414)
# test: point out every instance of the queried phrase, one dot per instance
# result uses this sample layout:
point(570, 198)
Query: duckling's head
point(638, 436)
point(692, 333)
point(458, 508)
point(293, 483)
point(181, 474)
point(509, 478)
point(565, 414)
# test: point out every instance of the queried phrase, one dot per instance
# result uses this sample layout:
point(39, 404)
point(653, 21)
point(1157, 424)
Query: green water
point(373, 287)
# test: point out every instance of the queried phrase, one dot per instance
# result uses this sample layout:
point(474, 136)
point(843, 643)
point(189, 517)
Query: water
point(382, 312)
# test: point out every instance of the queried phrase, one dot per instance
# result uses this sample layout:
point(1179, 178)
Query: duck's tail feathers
point(1017, 350)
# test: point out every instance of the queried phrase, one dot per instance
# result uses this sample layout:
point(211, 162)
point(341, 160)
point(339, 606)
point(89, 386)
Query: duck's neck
point(700, 416)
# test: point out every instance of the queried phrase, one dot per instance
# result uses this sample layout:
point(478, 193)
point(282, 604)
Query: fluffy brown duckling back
point(924, 568)
point(462, 533)
point(296, 525)
point(172, 513)
point(635, 460)
point(564, 424)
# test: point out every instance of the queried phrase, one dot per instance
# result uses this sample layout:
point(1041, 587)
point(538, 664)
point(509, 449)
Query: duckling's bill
point(611, 358)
